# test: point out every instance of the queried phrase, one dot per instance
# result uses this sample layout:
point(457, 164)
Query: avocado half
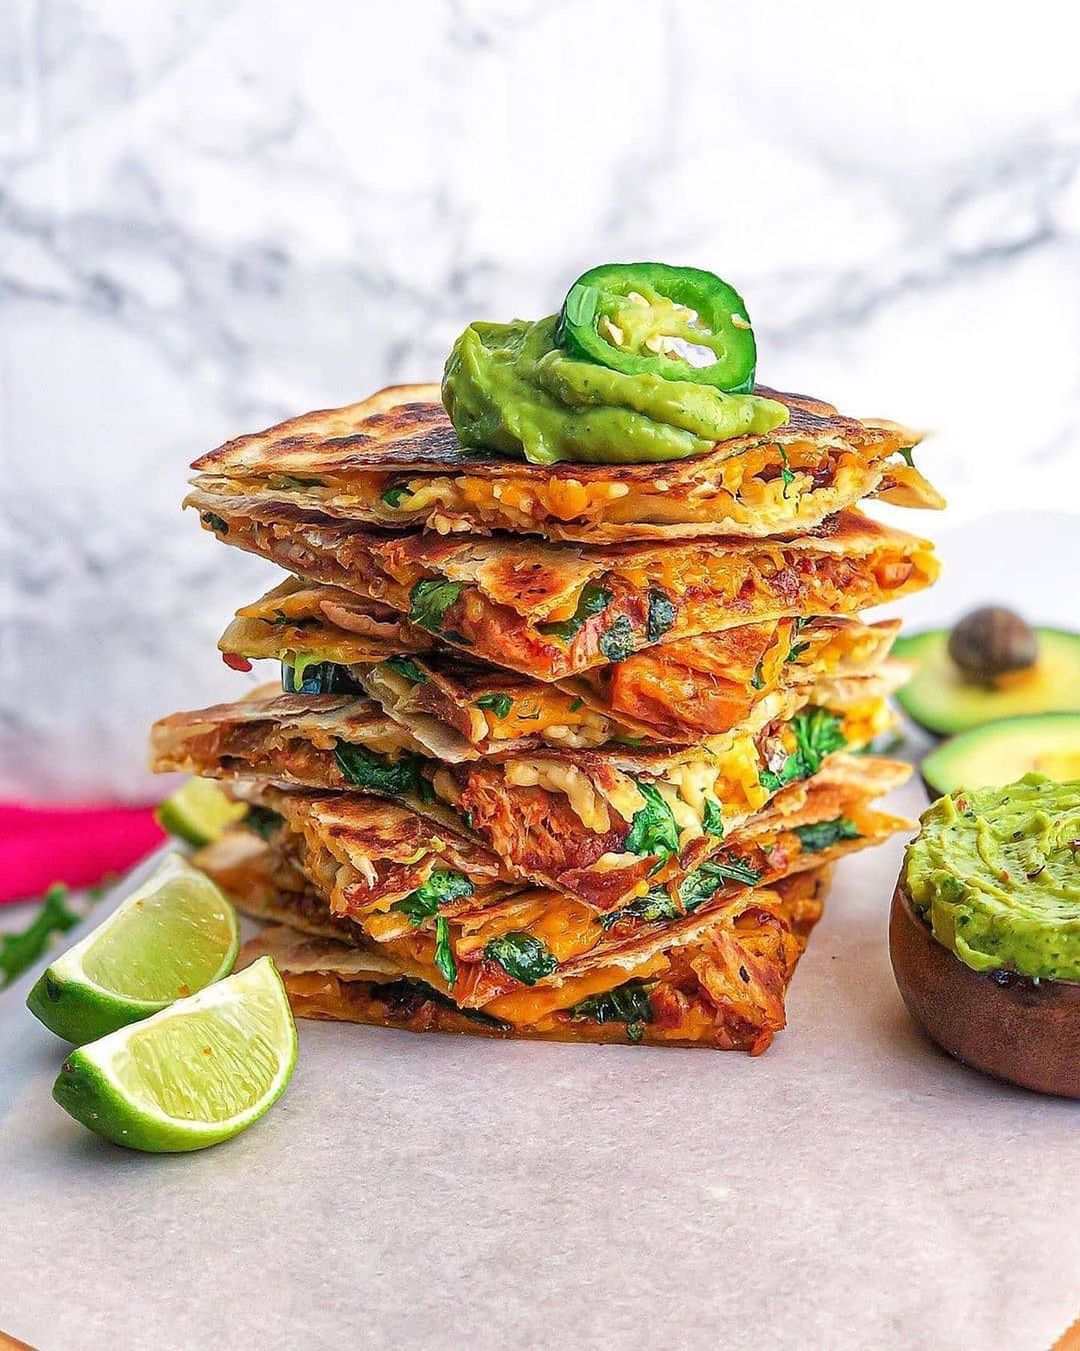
point(1001, 752)
point(1025, 1031)
point(942, 699)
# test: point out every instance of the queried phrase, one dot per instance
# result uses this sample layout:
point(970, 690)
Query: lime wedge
point(197, 1073)
point(173, 936)
point(199, 812)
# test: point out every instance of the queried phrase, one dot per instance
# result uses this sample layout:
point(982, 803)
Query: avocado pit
point(993, 641)
point(946, 697)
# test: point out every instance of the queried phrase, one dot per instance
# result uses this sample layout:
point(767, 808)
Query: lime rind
point(199, 812)
point(122, 1087)
point(72, 999)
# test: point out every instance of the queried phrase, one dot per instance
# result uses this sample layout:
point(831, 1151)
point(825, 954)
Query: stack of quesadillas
point(560, 751)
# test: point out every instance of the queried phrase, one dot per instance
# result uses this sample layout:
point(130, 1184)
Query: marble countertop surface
point(216, 213)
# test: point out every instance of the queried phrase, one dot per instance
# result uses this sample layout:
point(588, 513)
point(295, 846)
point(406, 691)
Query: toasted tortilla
point(353, 881)
point(394, 461)
point(299, 617)
point(373, 853)
point(560, 817)
point(571, 826)
point(524, 605)
point(674, 692)
point(723, 992)
point(268, 884)
point(453, 711)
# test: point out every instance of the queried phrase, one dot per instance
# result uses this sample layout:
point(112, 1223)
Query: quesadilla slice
point(491, 945)
point(592, 823)
point(599, 825)
point(298, 619)
point(723, 991)
point(674, 692)
point(330, 741)
point(285, 736)
point(573, 970)
point(394, 461)
point(378, 862)
point(552, 610)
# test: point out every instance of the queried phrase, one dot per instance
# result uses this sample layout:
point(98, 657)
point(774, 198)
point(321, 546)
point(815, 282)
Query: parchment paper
point(853, 1188)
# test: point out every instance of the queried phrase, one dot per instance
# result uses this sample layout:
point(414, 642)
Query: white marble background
point(215, 213)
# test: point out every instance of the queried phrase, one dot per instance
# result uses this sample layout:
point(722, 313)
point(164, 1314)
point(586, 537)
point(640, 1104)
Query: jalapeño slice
point(648, 318)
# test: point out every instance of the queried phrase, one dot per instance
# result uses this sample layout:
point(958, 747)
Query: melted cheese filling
point(529, 1005)
point(549, 713)
point(746, 488)
point(739, 493)
point(743, 487)
point(730, 777)
point(587, 802)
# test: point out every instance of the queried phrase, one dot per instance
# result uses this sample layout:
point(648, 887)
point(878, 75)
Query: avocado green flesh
point(999, 752)
point(995, 872)
point(942, 699)
point(510, 389)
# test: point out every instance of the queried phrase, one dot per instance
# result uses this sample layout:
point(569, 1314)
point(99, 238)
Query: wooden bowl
point(1009, 1027)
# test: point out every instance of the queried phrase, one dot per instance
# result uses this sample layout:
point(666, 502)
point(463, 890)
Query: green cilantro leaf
point(443, 885)
point(429, 601)
point(522, 956)
point(730, 869)
point(786, 476)
point(20, 950)
point(500, 704)
point(700, 885)
point(653, 829)
point(712, 820)
point(408, 670)
point(661, 616)
point(592, 601)
point(617, 641)
point(392, 496)
point(824, 834)
point(655, 904)
point(627, 1004)
point(263, 821)
point(444, 953)
point(817, 734)
point(376, 774)
point(796, 649)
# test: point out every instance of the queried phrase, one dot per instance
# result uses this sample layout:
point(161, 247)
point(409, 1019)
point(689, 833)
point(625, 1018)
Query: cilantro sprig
point(21, 950)
point(817, 734)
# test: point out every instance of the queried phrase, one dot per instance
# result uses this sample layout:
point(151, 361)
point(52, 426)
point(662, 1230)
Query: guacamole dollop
point(510, 388)
point(995, 872)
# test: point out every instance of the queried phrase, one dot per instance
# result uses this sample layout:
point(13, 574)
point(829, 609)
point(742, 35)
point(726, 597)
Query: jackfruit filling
point(762, 478)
